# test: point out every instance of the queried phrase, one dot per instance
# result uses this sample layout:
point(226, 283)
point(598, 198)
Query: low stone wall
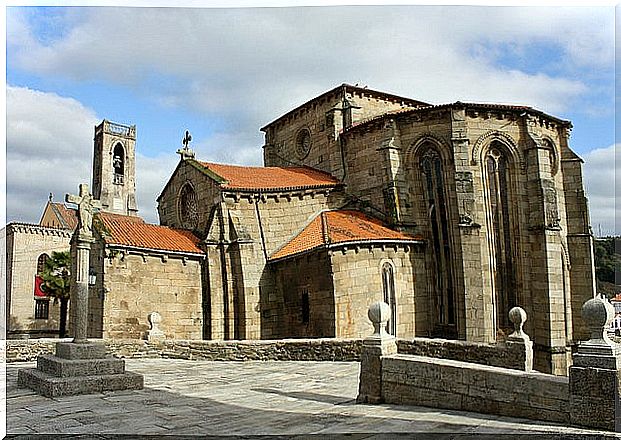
point(325, 349)
point(505, 355)
point(278, 350)
point(440, 383)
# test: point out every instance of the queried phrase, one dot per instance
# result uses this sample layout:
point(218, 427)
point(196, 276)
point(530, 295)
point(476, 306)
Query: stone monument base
point(78, 368)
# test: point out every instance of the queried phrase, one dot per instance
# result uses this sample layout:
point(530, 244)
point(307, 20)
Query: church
point(452, 214)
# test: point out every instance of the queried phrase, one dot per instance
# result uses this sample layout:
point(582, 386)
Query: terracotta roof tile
point(270, 178)
point(133, 231)
point(67, 216)
point(334, 227)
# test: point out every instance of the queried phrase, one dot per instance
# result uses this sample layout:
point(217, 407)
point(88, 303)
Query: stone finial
point(379, 314)
point(155, 333)
point(598, 313)
point(517, 316)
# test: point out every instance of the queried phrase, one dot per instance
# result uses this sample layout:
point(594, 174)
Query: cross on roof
point(186, 152)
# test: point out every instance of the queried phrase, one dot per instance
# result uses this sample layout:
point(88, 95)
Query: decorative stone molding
point(443, 147)
point(28, 228)
point(505, 139)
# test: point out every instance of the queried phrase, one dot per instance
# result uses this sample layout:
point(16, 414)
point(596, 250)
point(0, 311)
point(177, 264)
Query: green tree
point(56, 282)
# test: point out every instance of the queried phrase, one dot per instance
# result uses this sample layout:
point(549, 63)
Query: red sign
point(37, 286)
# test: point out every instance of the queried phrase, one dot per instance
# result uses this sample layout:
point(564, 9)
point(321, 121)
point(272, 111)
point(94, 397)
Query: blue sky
point(224, 73)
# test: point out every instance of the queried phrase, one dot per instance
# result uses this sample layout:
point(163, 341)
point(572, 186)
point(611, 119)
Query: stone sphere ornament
point(517, 316)
point(379, 314)
point(598, 313)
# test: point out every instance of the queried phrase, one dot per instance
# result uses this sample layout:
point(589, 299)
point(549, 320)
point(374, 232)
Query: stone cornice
point(277, 194)
point(31, 228)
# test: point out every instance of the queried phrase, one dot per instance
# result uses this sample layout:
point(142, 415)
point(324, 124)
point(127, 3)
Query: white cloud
point(599, 179)
point(49, 144)
point(255, 62)
point(49, 149)
point(152, 173)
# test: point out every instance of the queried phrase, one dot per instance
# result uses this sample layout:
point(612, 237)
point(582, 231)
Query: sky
point(222, 73)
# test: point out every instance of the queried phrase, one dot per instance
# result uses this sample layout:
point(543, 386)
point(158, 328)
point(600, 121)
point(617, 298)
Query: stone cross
point(186, 152)
point(85, 203)
point(82, 240)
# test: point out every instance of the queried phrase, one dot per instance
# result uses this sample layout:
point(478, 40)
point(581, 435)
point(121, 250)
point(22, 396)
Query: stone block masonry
point(588, 397)
point(440, 383)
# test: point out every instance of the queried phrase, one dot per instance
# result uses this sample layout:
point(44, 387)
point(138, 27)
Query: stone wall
point(357, 274)
point(278, 350)
point(324, 349)
point(440, 383)
point(303, 300)
point(505, 355)
point(24, 244)
point(135, 284)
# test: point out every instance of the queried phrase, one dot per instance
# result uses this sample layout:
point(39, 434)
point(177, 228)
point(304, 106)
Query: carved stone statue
point(85, 203)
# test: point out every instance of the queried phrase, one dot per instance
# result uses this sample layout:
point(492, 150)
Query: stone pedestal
point(595, 377)
point(78, 368)
point(379, 344)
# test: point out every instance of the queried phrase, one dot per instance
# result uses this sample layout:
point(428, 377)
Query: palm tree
point(56, 282)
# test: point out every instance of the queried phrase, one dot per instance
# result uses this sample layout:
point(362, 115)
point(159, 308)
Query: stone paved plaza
point(244, 398)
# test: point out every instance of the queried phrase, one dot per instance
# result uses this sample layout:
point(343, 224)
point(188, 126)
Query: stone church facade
point(452, 214)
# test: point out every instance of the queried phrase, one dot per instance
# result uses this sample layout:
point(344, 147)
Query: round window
point(303, 143)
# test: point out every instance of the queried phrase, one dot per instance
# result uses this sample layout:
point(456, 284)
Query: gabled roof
point(234, 177)
point(340, 227)
point(345, 87)
point(66, 217)
point(132, 231)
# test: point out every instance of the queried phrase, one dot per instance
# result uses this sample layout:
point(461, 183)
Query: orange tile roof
point(335, 227)
point(270, 178)
point(67, 216)
point(133, 231)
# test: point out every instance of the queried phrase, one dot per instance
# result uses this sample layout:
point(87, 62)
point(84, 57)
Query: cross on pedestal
point(81, 366)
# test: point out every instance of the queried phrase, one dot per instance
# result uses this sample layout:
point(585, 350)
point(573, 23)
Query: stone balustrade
point(589, 397)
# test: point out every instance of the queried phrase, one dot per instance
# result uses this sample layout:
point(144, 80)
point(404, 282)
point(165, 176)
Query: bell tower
point(114, 167)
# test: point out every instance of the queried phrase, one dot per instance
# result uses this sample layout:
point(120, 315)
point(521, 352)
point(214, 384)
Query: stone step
point(51, 386)
point(60, 367)
point(82, 350)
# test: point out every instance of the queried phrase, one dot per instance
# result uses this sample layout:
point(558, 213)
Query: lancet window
point(388, 288)
point(435, 196)
point(501, 243)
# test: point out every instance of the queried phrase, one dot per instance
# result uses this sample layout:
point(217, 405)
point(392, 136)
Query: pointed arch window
point(501, 243)
point(388, 288)
point(435, 196)
point(118, 164)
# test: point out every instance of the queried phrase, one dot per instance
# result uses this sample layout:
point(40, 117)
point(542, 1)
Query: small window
point(42, 308)
point(41, 263)
point(305, 306)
